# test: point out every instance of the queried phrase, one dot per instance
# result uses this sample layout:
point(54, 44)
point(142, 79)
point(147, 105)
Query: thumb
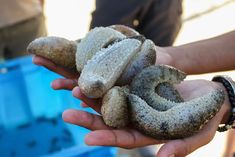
point(176, 148)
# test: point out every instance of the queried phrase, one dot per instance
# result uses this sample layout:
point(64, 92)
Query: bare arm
point(211, 55)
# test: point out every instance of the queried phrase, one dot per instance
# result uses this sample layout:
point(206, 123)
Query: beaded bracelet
point(229, 85)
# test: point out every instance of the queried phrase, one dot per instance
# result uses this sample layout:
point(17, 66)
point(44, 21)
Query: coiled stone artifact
point(117, 64)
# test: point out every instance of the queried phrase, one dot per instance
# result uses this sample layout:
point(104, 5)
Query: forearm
point(211, 55)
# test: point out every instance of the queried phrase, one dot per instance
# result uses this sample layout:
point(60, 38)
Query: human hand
point(163, 56)
point(70, 77)
point(131, 138)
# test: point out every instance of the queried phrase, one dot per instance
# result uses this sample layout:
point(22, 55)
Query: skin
point(230, 144)
point(200, 57)
point(101, 66)
point(119, 57)
point(129, 138)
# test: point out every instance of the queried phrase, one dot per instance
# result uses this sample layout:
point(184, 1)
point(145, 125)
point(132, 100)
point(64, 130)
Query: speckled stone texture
point(168, 91)
point(93, 42)
point(109, 57)
point(103, 70)
point(163, 118)
point(180, 121)
point(145, 57)
point(115, 107)
point(59, 50)
point(145, 83)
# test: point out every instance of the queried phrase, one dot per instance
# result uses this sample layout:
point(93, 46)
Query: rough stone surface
point(145, 83)
point(144, 58)
point(59, 50)
point(115, 107)
point(168, 91)
point(103, 70)
point(127, 31)
point(93, 42)
point(118, 55)
point(180, 121)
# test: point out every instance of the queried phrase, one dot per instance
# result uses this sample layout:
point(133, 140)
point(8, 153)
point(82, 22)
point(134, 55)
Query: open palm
point(103, 135)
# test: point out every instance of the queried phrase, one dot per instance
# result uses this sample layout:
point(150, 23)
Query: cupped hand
point(103, 135)
point(129, 137)
point(70, 77)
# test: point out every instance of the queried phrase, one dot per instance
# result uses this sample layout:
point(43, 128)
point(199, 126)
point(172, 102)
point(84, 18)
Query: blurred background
point(71, 19)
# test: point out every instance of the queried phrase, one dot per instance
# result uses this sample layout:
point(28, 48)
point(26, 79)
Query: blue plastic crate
point(85, 151)
point(42, 136)
point(14, 108)
point(30, 115)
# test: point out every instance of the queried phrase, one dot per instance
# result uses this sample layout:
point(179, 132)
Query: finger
point(106, 136)
point(67, 73)
point(61, 83)
point(93, 103)
point(84, 119)
point(163, 57)
point(84, 105)
point(183, 147)
point(121, 138)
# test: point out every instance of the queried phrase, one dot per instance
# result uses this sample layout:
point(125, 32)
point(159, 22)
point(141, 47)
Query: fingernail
point(51, 84)
point(75, 91)
point(173, 155)
point(33, 59)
